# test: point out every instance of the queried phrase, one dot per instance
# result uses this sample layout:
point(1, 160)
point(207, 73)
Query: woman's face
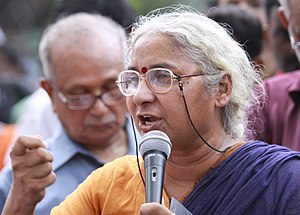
point(166, 112)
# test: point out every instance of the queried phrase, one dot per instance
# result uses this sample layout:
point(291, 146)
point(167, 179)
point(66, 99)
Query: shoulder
point(268, 156)
point(126, 165)
point(263, 148)
point(270, 164)
point(117, 174)
point(278, 83)
point(289, 76)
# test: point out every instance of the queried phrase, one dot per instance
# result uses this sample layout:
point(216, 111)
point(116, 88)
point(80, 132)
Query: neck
point(117, 147)
point(186, 168)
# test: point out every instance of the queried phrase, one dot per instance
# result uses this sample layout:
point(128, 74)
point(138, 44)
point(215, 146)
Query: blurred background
point(21, 26)
point(24, 21)
point(252, 23)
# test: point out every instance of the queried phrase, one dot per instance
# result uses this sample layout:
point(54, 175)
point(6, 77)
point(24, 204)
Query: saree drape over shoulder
point(257, 178)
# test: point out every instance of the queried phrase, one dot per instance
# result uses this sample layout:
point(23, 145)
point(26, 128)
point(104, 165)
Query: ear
point(282, 17)
point(45, 84)
point(224, 91)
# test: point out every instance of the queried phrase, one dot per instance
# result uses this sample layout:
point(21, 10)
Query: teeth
point(147, 123)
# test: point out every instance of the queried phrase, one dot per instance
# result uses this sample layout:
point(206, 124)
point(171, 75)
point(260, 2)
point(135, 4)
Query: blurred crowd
point(25, 108)
point(25, 90)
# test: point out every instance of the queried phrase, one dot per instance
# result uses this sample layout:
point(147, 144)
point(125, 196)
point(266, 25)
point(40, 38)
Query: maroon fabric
point(279, 120)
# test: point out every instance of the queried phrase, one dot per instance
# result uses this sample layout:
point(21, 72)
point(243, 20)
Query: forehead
point(154, 49)
point(86, 59)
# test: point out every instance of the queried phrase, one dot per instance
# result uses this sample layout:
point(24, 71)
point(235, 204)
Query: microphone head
point(155, 140)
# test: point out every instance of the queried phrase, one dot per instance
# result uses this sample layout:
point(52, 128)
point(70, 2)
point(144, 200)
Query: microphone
point(155, 149)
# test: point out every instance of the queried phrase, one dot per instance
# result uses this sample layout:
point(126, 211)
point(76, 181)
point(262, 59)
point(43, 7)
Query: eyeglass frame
point(144, 77)
point(63, 98)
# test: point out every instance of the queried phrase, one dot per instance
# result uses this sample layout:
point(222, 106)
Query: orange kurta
point(116, 188)
point(6, 137)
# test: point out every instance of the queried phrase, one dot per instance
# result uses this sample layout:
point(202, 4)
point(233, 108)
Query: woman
point(189, 79)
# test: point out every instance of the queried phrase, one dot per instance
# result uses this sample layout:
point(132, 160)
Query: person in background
point(7, 132)
point(245, 28)
point(192, 81)
point(279, 119)
point(45, 121)
point(2, 37)
point(82, 56)
point(256, 7)
point(279, 39)
point(119, 10)
point(15, 84)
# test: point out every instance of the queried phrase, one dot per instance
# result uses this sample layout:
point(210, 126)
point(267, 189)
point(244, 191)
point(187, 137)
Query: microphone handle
point(154, 163)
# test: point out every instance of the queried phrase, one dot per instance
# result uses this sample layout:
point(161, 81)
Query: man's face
point(87, 65)
point(294, 25)
point(280, 43)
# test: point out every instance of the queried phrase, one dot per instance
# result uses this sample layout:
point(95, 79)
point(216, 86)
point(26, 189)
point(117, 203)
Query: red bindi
point(144, 70)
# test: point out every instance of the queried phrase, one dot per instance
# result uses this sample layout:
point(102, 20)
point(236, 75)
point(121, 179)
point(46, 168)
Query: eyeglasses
point(159, 80)
point(85, 101)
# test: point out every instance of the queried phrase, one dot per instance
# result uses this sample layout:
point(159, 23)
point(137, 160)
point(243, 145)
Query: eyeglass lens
point(77, 102)
point(158, 80)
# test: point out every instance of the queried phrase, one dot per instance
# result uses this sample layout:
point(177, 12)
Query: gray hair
point(79, 24)
point(213, 49)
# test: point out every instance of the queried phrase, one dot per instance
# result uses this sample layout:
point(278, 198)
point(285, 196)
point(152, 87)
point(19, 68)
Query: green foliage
point(142, 7)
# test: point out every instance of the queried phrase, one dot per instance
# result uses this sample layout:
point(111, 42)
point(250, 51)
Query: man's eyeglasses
point(85, 101)
point(159, 80)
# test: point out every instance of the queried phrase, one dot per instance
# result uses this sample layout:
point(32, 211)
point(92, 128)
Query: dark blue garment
point(257, 178)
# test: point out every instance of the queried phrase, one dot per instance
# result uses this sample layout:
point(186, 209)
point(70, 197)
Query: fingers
point(154, 208)
point(35, 186)
point(31, 158)
point(32, 169)
point(25, 143)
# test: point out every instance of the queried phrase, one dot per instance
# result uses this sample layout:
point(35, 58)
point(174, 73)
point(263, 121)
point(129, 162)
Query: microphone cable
point(136, 151)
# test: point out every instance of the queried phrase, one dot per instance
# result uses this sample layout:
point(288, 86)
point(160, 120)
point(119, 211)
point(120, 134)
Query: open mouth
point(147, 120)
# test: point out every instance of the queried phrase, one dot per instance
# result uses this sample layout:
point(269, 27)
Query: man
point(279, 39)
point(256, 7)
point(279, 121)
point(245, 27)
point(39, 102)
point(82, 56)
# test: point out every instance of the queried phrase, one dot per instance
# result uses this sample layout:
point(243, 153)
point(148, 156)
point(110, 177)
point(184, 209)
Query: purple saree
point(257, 178)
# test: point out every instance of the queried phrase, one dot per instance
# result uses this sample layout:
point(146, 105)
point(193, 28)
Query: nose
point(143, 94)
point(98, 107)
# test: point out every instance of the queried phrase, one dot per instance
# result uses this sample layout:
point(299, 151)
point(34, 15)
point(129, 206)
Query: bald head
point(82, 35)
